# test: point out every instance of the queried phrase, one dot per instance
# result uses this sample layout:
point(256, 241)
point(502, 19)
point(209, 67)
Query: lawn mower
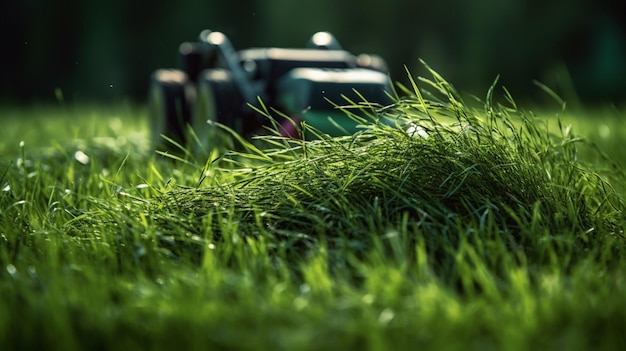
point(215, 83)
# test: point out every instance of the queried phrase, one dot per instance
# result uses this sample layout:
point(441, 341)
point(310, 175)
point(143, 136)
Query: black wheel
point(170, 101)
point(219, 101)
point(193, 58)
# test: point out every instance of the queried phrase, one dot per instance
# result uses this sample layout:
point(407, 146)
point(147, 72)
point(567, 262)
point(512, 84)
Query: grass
point(465, 226)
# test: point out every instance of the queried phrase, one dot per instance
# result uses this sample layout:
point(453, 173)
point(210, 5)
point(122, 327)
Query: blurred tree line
point(107, 49)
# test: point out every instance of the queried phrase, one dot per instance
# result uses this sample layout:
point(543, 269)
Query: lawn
point(467, 225)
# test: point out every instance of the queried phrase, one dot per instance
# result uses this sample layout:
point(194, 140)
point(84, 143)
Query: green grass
point(499, 229)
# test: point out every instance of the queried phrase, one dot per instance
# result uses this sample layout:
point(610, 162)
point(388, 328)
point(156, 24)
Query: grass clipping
point(439, 174)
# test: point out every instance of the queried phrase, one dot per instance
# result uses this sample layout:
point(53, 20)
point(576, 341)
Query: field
point(468, 225)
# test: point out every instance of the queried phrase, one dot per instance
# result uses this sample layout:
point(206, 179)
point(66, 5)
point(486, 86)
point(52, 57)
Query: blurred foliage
point(106, 50)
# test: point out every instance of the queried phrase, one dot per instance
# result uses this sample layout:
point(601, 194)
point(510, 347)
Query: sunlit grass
point(463, 226)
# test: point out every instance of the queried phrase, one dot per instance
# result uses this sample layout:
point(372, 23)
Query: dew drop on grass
point(81, 157)
point(11, 270)
point(300, 303)
point(32, 271)
point(141, 251)
point(604, 131)
point(368, 299)
point(304, 288)
point(386, 316)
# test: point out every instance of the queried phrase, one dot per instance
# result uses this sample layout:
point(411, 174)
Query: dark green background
point(106, 50)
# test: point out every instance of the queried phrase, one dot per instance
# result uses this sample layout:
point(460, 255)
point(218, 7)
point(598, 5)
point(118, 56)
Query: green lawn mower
point(215, 83)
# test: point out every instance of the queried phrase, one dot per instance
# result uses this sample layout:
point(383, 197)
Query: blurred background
point(106, 50)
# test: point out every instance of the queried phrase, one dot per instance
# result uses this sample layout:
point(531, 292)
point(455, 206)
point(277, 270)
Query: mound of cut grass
point(443, 175)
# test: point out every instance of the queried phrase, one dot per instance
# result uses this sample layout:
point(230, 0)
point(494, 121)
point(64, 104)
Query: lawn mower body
point(215, 83)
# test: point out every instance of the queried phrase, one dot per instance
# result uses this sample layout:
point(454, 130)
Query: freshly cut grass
point(444, 175)
point(457, 226)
